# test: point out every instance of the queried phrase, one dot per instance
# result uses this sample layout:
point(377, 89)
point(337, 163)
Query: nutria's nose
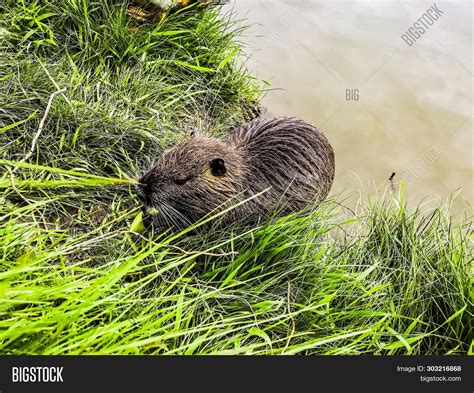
point(140, 190)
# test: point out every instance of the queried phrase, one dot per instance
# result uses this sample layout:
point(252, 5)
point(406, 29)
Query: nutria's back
point(289, 162)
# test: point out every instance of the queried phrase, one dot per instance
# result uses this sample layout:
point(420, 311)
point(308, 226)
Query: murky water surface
point(384, 105)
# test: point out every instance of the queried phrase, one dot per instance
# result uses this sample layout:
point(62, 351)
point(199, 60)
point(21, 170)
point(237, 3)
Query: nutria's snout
point(140, 193)
point(142, 189)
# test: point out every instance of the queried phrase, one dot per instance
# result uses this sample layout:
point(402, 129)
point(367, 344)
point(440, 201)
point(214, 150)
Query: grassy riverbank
point(74, 280)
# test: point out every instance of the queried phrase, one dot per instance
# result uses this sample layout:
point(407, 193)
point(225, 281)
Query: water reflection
point(385, 106)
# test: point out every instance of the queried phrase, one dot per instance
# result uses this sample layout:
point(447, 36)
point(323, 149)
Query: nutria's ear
point(217, 166)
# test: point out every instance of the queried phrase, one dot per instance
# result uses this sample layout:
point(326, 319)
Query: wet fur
point(286, 156)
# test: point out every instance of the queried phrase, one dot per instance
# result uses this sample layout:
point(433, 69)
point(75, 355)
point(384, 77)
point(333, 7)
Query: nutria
point(285, 160)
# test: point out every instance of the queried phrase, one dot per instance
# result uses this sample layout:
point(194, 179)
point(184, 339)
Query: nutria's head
point(193, 179)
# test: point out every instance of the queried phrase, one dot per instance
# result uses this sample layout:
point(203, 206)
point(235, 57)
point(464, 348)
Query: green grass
point(75, 280)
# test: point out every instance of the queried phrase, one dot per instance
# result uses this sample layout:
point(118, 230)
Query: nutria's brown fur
point(289, 158)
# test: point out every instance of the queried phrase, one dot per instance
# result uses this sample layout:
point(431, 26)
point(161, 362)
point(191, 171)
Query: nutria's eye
point(217, 166)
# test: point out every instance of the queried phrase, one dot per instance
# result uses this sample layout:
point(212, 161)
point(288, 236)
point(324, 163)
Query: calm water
point(413, 115)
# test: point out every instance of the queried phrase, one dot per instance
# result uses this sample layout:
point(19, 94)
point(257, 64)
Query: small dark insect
point(288, 162)
point(392, 176)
